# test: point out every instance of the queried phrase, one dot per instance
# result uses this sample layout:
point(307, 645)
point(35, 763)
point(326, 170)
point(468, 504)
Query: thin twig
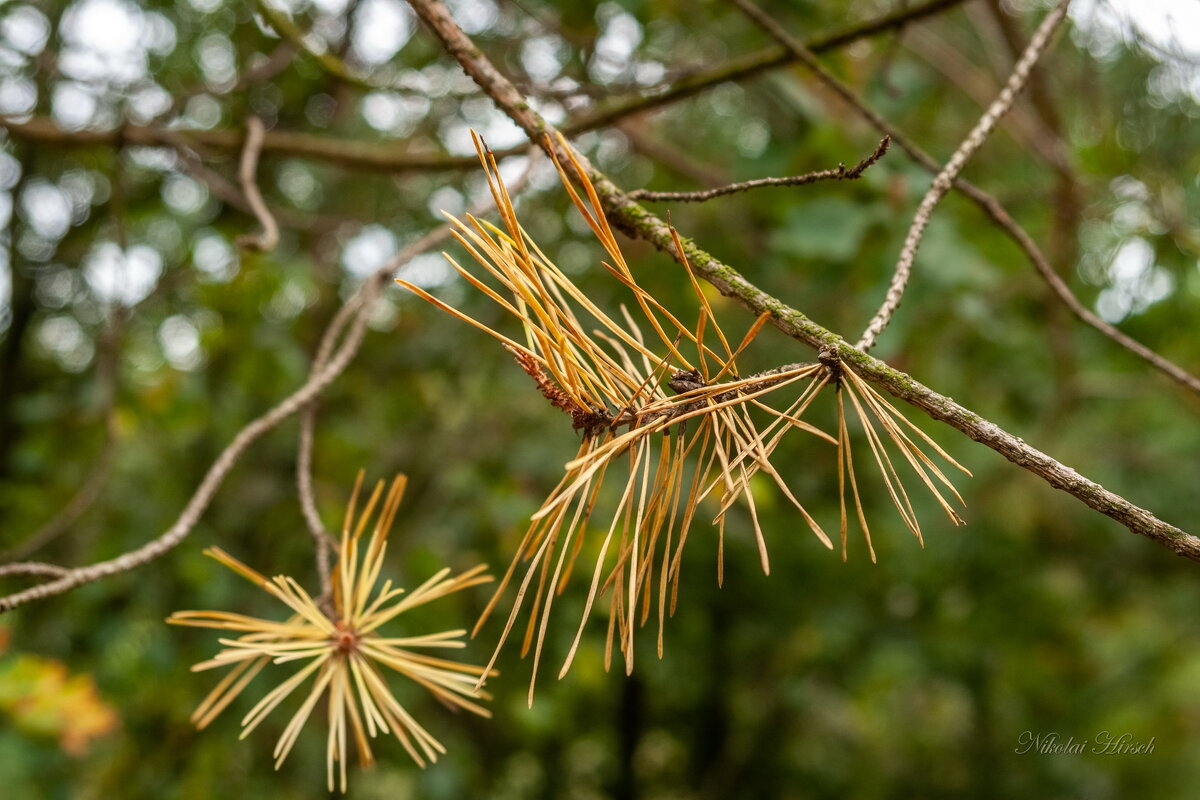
point(992, 207)
point(326, 59)
point(265, 240)
point(942, 183)
point(224, 190)
point(640, 223)
point(840, 173)
point(322, 541)
point(32, 568)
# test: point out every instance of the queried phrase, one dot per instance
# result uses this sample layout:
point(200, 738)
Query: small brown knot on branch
point(588, 420)
point(833, 365)
point(683, 381)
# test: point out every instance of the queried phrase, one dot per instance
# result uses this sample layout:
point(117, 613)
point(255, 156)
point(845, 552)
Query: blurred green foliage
point(914, 677)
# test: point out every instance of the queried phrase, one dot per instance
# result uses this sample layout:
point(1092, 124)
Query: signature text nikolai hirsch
point(1104, 743)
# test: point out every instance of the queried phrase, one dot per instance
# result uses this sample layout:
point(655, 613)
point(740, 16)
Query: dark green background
point(913, 677)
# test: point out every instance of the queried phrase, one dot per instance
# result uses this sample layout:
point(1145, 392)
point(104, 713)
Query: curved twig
point(323, 543)
point(942, 183)
point(32, 568)
point(839, 173)
point(266, 239)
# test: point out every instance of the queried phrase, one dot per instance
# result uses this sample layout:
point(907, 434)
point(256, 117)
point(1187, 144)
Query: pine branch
point(640, 223)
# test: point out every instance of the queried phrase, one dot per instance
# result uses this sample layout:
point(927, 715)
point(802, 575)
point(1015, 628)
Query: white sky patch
point(493, 125)
point(328, 28)
point(446, 199)
point(297, 182)
point(553, 111)
point(501, 132)
point(474, 16)
point(180, 341)
point(26, 29)
point(394, 113)
point(63, 337)
point(202, 111)
point(73, 105)
point(17, 96)
point(512, 168)
point(214, 54)
point(104, 41)
point(46, 210)
point(184, 195)
point(148, 102)
point(10, 171)
point(5, 213)
point(455, 135)
point(333, 7)
point(1167, 30)
point(5, 291)
point(381, 28)
point(542, 57)
point(124, 278)
point(368, 250)
point(79, 190)
point(1136, 282)
point(79, 185)
point(153, 158)
point(214, 257)
point(427, 271)
point(649, 73)
point(56, 287)
point(620, 34)
point(382, 110)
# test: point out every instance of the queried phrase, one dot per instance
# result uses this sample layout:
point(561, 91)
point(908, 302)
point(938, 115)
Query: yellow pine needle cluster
point(867, 404)
point(342, 649)
point(614, 386)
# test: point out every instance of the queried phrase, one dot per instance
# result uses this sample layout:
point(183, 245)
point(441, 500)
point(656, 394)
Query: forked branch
point(838, 173)
point(942, 183)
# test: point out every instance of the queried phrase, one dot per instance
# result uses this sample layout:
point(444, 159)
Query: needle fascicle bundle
point(341, 648)
point(670, 408)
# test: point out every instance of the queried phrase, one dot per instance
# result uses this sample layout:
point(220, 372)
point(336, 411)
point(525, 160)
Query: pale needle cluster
point(341, 647)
